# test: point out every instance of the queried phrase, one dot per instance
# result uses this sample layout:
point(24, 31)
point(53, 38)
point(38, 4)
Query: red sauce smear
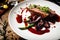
point(26, 24)
point(19, 18)
point(38, 32)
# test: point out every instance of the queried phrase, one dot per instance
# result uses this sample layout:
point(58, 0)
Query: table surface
point(8, 33)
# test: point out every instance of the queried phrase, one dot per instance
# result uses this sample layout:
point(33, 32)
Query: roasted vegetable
point(24, 28)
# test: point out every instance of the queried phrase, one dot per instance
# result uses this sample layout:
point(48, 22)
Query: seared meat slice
point(38, 12)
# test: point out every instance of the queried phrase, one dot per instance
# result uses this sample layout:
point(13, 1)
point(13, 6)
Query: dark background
point(55, 1)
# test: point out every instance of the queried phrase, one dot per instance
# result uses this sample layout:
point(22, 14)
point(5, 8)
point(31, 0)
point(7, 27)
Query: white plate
point(54, 33)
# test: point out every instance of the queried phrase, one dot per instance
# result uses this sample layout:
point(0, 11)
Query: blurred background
point(6, 32)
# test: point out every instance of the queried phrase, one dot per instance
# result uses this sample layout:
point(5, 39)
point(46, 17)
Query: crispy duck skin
point(38, 12)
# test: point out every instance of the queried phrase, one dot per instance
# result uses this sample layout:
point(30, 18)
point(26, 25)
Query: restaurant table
point(6, 33)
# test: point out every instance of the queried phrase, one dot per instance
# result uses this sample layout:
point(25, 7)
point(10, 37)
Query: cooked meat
point(38, 12)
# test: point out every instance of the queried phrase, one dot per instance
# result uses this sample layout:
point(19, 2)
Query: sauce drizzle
point(19, 18)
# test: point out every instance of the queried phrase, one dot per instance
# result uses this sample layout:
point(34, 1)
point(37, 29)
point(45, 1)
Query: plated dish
point(38, 19)
point(35, 19)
